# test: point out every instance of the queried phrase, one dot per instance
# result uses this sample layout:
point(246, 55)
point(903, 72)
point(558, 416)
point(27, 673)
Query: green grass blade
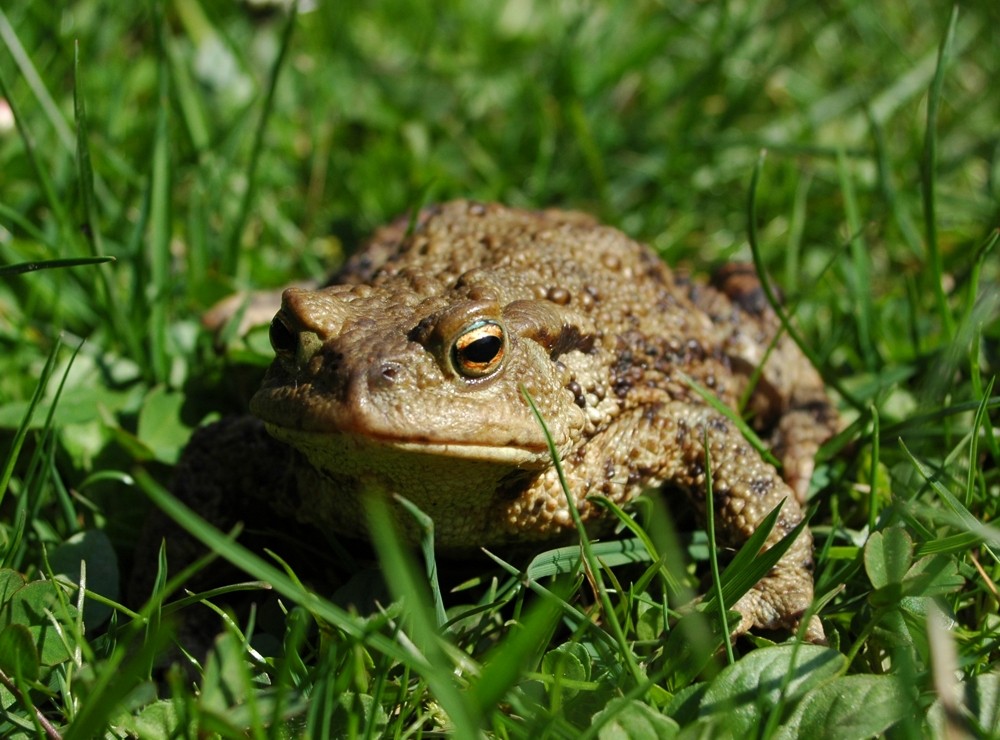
point(22, 429)
point(929, 175)
point(406, 586)
point(749, 434)
point(231, 256)
point(593, 566)
point(23, 267)
point(963, 516)
point(718, 596)
point(519, 651)
point(39, 170)
point(765, 284)
point(430, 558)
point(30, 73)
point(860, 278)
point(264, 571)
point(160, 228)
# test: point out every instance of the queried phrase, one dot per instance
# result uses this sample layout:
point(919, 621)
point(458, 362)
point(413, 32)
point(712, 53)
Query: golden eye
point(479, 350)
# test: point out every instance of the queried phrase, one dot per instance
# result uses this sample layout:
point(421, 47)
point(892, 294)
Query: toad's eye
point(479, 350)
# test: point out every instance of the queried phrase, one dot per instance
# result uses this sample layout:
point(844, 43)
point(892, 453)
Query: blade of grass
point(427, 550)
point(744, 428)
point(22, 429)
point(980, 423)
point(772, 299)
point(713, 552)
point(651, 553)
point(114, 311)
point(929, 173)
point(103, 700)
point(860, 278)
point(898, 206)
point(154, 296)
point(524, 645)
point(571, 613)
point(406, 586)
point(980, 309)
point(264, 571)
point(23, 267)
point(873, 492)
point(44, 456)
point(191, 109)
point(752, 562)
point(588, 553)
point(54, 202)
point(18, 218)
point(956, 507)
point(231, 256)
point(35, 82)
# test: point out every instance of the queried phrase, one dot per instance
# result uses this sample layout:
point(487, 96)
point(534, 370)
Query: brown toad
point(405, 375)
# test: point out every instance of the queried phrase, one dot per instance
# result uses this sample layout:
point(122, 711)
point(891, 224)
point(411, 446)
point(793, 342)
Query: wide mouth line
point(442, 447)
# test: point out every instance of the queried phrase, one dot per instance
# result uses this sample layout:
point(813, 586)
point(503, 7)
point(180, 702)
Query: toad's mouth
point(348, 444)
point(362, 424)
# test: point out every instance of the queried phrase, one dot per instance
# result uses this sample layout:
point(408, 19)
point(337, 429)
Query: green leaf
point(743, 692)
point(18, 656)
point(505, 664)
point(888, 556)
point(94, 548)
point(651, 621)
point(27, 607)
point(226, 681)
point(630, 719)
point(357, 711)
point(933, 575)
point(981, 696)
point(567, 662)
point(849, 707)
point(158, 721)
point(564, 560)
point(684, 706)
point(10, 581)
point(161, 428)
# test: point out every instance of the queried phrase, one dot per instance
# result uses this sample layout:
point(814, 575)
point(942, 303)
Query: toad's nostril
point(283, 339)
point(385, 374)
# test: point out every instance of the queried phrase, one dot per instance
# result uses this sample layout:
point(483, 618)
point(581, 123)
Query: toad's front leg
point(746, 489)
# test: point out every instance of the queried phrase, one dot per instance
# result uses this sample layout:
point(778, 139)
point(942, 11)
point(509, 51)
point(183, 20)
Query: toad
point(408, 374)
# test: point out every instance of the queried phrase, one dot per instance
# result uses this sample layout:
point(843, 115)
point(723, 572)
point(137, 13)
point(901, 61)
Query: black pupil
point(482, 350)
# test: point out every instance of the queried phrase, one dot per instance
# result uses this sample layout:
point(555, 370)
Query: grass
point(210, 147)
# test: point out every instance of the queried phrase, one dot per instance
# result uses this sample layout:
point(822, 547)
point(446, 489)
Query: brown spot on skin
point(652, 411)
point(718, 424)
